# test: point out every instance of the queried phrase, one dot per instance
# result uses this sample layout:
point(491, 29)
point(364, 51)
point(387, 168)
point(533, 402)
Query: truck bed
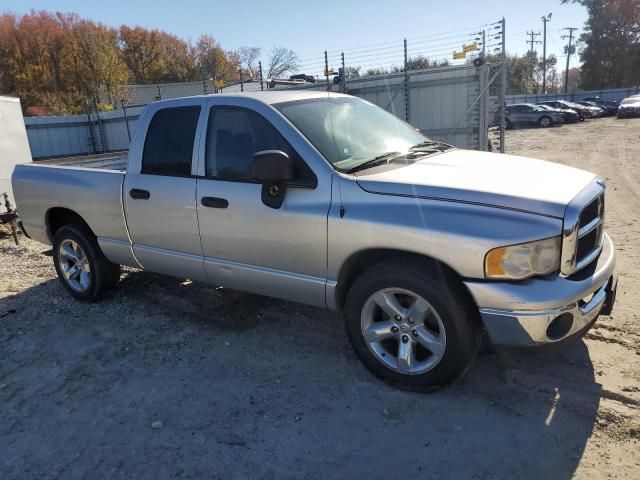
point(88, 186)
point(104, 161)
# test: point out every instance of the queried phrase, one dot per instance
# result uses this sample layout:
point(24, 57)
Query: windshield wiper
point(430, 143)
point(379, 160)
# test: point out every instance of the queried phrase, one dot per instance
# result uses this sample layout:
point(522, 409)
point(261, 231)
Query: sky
point(370, 32)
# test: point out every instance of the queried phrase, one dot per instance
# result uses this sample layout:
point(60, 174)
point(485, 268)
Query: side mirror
point(272, 166)
point(275, 170)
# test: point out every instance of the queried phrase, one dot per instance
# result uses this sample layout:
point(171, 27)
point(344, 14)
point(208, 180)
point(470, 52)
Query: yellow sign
point(459, 55)
point(219, 84)
point(470, 48)
point(328, 72)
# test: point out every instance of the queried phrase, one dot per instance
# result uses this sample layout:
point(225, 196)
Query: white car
point(629, 107)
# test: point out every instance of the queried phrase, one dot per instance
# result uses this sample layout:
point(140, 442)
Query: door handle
point(139, 194)
point(214, 202)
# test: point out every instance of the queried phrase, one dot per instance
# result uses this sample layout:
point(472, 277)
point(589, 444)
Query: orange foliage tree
point(58, 62)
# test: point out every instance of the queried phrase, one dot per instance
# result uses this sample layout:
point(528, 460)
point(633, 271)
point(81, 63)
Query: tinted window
point(234, 134)
point(168, 147)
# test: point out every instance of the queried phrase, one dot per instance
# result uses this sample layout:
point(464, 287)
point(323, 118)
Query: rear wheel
point(412, 326)
point(81, 266)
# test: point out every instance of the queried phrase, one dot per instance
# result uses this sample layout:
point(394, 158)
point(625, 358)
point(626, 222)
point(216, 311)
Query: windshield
point(350, 132)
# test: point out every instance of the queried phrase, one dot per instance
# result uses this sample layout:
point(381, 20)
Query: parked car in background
point(530, 114)
point(570, 116)
point(610, 107)
point(595, 110)
point(329, 200)
point(583, 112)
point(629, 107)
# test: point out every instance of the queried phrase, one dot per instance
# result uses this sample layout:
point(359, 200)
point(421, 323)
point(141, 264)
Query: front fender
point(458, 234)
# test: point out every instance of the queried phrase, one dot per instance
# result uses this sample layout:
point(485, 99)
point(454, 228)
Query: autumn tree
point(215, 62)
point(97, 62)
point(154, 56)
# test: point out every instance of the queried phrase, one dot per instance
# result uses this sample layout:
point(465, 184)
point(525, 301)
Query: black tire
point(103, 275)
point(446, 295)
point(544, 119)
point(507, 124)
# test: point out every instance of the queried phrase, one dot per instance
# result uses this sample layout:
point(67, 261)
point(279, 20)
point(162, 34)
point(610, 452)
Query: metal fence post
point(406, 83)
point(241, 81)
point(126, 119)
point(326, 67)
point(344, 75)
point(92, 138)
point(103, 140)
point(503, 90)
point(260, 70)
point(203, 73)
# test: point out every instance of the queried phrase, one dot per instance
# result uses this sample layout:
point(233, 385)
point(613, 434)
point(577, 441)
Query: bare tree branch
point(249, 57)
point(281, 61)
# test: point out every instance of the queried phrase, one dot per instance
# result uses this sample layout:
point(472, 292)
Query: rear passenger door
point(159, 192)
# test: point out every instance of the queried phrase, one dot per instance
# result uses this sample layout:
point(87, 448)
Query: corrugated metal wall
point(58, 136)
point(447, 104)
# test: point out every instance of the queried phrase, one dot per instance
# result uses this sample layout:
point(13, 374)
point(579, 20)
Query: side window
point(168, 148)
point(234, 134)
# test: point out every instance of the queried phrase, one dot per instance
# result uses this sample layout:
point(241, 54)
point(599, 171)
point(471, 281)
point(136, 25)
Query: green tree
point(611, 53)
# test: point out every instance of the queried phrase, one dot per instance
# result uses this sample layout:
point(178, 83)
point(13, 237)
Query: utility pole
point(532, 40)
point(566, 72)
point(484, 43)
point(544, 54)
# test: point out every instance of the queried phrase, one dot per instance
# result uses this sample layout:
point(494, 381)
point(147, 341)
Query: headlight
point(517, 262)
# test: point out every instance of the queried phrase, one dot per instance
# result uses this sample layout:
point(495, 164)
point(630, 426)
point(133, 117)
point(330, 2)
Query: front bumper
point(546, 310)
point(628, 113)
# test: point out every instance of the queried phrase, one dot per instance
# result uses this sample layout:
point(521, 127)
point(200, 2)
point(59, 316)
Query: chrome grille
point(583, 229)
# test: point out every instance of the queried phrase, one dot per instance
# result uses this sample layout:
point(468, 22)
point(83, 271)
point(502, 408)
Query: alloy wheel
point(74, 266)
point(403, 331)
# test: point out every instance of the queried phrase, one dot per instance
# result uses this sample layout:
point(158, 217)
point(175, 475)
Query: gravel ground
point(170, 379)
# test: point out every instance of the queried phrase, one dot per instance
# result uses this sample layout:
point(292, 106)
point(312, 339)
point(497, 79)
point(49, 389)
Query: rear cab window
point(168, 146)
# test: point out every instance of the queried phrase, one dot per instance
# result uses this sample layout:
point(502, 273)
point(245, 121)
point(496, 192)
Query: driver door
point(247, 245)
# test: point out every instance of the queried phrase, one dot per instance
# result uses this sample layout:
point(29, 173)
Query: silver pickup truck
point(328, 200)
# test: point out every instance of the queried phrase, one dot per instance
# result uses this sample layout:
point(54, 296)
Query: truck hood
point(504, 181)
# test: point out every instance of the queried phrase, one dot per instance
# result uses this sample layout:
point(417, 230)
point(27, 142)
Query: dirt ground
point(169, 379)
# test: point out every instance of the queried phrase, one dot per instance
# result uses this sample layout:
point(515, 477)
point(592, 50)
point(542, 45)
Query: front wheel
point(412, 325)
point(81, 266)
point(545, 122)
